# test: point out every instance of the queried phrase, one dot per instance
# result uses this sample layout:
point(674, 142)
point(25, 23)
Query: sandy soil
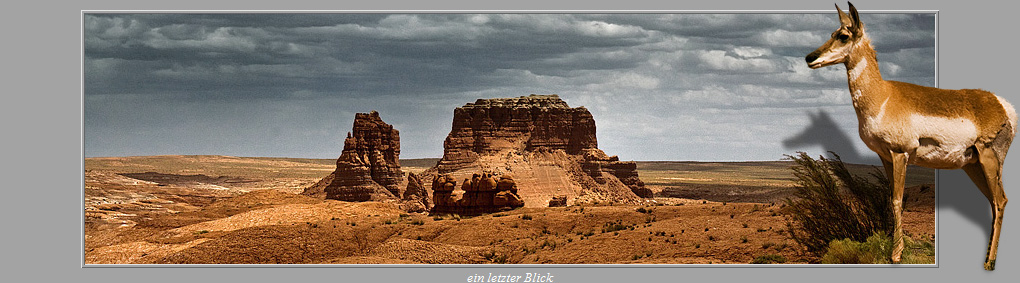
point(174, 214)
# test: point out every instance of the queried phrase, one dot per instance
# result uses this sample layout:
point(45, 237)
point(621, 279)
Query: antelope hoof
point(896, 259)
point(990, 265)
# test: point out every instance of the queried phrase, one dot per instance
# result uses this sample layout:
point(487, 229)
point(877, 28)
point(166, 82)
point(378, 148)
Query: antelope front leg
point(896, 170)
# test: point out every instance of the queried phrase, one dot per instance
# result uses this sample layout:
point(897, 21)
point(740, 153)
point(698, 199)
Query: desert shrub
point(832, 204)
point(768, 259)
point(613, 227)
point(877, 249)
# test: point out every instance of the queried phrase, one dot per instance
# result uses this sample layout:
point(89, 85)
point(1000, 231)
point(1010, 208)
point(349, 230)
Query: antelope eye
point(843, 37)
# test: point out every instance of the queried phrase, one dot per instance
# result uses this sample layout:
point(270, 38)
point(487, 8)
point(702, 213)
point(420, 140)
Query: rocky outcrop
point(482, 193)
point(597, 165)
point(550, 148)
point(416, 197)
point(369, 166)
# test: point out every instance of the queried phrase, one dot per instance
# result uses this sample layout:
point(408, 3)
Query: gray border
point(43, 148)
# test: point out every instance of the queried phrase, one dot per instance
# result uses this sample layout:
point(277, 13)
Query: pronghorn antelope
point(937, 128)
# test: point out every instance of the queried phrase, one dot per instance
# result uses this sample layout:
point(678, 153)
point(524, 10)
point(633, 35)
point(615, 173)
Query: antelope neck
point(864, 78)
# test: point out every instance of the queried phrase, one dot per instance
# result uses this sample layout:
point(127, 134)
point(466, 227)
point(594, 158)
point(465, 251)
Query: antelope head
point(841, 44)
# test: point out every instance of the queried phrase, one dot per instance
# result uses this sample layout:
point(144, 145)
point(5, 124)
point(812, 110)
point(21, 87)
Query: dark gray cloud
point(661, 86)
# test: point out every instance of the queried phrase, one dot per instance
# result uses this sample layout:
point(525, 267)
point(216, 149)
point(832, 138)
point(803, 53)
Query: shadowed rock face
point(550, 148)
point(368, 167)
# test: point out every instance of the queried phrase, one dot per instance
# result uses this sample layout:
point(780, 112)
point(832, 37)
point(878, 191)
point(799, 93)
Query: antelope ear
point(843, 18)
point(857, 25)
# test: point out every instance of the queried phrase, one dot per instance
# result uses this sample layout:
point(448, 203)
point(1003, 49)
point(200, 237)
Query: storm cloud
point(661, 86)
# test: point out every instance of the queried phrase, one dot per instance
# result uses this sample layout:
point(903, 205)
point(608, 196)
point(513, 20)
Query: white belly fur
point(934, 142)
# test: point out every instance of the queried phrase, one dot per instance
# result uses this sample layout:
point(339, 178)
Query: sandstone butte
point(369, 165)
point(544, 146)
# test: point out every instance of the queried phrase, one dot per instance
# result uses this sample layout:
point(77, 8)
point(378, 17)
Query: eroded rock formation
point(550, 148)
point(416, 197)
point(482, 193)
point(368, 167)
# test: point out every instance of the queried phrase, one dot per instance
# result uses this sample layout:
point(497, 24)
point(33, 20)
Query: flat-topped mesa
point(550, 148)
point(526, 123)
point(368, 167)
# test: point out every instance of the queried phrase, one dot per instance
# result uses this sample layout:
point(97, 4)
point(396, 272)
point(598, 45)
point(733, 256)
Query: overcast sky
point(707, 87)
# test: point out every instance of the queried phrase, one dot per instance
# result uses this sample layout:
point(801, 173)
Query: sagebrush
point(830, 203)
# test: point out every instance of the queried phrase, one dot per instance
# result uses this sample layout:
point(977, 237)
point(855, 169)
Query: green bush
point(833, 204)
point(877, 249)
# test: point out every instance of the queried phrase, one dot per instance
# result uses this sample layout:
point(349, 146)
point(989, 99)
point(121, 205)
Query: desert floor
point(220, 209)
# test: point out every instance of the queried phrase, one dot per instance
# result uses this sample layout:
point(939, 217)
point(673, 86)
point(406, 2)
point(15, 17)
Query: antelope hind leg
point(992, 169)
point(976, 172)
